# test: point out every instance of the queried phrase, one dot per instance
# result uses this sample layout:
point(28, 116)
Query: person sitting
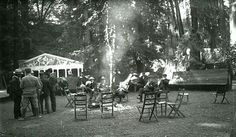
point(72, 82)
point(120, 93)
point(102, 87)
point(149, 87)
point(164, 83)
point(133, 82)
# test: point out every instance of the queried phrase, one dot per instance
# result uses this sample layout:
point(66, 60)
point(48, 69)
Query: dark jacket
point(46, 87)
point(164, 84)
point(14, 87)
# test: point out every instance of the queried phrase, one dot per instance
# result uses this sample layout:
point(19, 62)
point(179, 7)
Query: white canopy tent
point(59, 65)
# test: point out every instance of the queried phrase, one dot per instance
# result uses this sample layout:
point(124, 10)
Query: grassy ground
point(203, 119)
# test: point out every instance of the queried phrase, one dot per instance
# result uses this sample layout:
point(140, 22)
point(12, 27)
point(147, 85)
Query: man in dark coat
point(16, 92)
point(44, 96)
point(53, 85)
point(164, 83)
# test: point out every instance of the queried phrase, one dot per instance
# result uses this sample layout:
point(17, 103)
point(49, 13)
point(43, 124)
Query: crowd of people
point(25, 89)
point(85, 84)
point(148, 83)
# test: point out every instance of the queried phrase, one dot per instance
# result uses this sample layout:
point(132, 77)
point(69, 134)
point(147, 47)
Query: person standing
point(30, 85)
point(16, 92)
point(90, 89)
point(44, 96)
point(53, 86)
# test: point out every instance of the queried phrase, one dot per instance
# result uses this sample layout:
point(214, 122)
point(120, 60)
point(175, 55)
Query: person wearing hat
point(90, 89)
point(30, 86)
point(16, 92)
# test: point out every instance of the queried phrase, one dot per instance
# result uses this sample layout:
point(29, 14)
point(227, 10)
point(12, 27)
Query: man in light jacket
point(30, 85)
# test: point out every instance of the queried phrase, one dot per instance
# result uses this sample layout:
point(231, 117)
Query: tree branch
point(47, 10)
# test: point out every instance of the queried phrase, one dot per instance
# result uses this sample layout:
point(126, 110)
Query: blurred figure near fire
point(90, 89)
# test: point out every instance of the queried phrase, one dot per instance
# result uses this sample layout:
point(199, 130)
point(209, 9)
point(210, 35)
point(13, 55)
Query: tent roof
point(46, 59)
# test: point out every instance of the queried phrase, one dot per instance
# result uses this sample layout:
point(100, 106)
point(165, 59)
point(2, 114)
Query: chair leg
point(216, 98)
point(141, 115)
point(75, 113)
point(153, 114)
point(165, 109)
point(161, 110)
point(224, 98)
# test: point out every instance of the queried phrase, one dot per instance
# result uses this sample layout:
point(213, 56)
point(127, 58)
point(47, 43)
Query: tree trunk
point(25, 16)
point(4, 55)
point(16, 40)
point(194, 53)
point(179, 20)
point(233, 24)
point(173, 12)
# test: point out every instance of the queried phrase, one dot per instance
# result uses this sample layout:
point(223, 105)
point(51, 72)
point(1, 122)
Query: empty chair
point(80, 106)
point(106, 103)
point(69, 97)
point(148, 107)
point(175, 106)
point(183, 93)
point(162, 100)
point(221, 93)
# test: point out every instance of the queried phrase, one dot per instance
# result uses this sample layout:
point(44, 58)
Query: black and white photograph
point(117, 68)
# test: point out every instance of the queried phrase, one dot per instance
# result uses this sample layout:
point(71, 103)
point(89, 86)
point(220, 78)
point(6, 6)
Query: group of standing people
point(25, 89)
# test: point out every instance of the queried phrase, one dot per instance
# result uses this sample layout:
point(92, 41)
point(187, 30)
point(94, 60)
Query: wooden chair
point(69, 97)
point(223, 94)
point(106, 102)
point(183, 93)
point(162, 100)
point(148, 107)
point(80, 106)
point(175, 106)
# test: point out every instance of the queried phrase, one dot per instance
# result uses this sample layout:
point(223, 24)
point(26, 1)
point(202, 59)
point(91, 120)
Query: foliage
point(143, 31)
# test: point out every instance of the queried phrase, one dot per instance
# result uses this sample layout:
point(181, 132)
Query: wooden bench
point(218, 80)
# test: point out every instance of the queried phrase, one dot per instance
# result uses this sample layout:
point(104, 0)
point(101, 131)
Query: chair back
point(106, 97)
point(80, 99)
point(163, 96)
point(179, 100)
point(150, 98)
point(106, 101)
point(80, 103)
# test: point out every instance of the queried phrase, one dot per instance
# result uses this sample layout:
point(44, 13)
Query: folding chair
point(183, 93)
point(162, 100)
point(69, 97)
point(175, 106)
point(106, 101)
point(223, 94)
point(80, 106)
point(148, 107)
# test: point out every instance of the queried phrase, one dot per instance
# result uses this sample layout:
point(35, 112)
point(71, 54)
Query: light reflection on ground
point(117, 107)
point(214, 125)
